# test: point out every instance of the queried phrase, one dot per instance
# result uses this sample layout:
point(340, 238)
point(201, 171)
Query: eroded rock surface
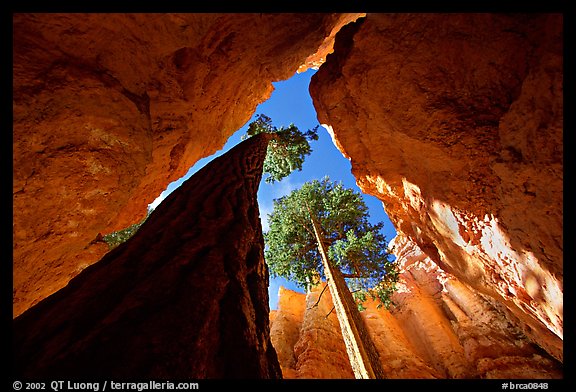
point(455, 123)
point(111, 108)
point(320, 349)
point(454, 329)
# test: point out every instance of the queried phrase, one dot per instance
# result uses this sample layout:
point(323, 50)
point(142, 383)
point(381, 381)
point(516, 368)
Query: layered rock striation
point(185, 297)
point(454, 121)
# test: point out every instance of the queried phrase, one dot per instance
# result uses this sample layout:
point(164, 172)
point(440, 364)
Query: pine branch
point(317, 302)
point(325, 317)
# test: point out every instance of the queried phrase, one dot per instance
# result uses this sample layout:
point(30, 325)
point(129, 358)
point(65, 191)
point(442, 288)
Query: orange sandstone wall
point(285, 328)
point(306, 335)
point(454, 121)
point(111, 108)
point(456, 330)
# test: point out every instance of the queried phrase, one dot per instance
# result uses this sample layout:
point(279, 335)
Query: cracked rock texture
point(455, 123)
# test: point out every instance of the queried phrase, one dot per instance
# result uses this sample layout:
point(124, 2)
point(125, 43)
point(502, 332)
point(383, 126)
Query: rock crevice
point(454, 121)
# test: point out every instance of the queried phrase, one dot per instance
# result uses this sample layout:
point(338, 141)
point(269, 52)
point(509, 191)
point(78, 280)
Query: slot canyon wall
point(453, 121)
point(438, 327)
point(108, 109)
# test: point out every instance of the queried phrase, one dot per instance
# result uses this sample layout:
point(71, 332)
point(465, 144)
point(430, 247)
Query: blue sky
point(291, 103)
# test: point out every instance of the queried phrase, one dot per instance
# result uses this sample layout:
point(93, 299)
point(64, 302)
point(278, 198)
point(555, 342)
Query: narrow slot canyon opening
point(290, 103)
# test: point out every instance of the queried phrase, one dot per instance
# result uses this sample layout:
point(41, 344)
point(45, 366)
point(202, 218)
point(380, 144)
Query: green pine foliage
point(287, 151)
point(357, 247)
point(116, 238)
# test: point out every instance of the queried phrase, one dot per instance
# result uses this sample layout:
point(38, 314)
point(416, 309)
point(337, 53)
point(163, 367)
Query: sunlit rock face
point(185, 298)
point(111, 108)
point(285, 328)
point(455, 123)
point(437, 328)
point(306, 335)
point(314, 61)
point(454, 329)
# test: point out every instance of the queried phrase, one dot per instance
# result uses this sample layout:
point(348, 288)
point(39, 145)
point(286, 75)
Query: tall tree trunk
point(364, 358)
point(185, 297)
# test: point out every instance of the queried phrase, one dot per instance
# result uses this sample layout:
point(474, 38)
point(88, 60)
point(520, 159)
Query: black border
point(336, 6)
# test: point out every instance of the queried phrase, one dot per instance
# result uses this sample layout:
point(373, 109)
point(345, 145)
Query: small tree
point(288, 149)
point(118, 237)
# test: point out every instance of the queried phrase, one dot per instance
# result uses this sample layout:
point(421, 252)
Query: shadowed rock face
point(185, 297)
point(455, 123)
point(111, 108)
